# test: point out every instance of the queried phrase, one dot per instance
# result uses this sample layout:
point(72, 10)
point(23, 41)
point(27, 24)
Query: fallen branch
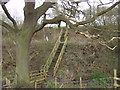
point(113, 39)
point(108, 46)
point(87, 34)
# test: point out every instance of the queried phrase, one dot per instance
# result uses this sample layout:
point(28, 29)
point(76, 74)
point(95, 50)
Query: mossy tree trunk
point(22, 64)
point(22, 57)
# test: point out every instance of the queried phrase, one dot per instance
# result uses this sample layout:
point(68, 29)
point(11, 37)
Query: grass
point(98, 79)
point(62, 73)
point(52, 84)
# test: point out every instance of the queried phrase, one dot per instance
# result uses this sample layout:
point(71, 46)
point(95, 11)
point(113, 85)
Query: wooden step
point(40, 80)
point(41, 76)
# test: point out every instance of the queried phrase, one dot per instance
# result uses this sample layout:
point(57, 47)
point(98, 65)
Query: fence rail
point(34, 77)
point(91, 83)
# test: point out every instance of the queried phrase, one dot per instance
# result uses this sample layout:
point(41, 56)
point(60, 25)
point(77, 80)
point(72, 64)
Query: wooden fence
point(38, 77)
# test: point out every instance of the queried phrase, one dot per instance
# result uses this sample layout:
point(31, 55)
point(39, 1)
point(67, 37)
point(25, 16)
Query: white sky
point(15, 7)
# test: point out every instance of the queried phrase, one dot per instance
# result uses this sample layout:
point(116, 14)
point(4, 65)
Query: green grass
point(99, 79)
point(51, 84)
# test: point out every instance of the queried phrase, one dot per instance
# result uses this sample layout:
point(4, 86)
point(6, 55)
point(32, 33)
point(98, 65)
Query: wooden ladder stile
point(60, 56)
point(61, 53)
point(52, 54)
point(40, 75)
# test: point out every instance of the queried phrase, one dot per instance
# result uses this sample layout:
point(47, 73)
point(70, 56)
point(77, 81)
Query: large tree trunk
point(22, 57)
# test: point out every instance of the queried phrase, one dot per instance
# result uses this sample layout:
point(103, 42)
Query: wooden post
point(115, 78)
point(80, 82)
point(55, 82)
point(35, 84)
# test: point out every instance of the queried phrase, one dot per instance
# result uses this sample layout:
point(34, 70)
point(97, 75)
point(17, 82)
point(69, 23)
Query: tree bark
point(22, 57)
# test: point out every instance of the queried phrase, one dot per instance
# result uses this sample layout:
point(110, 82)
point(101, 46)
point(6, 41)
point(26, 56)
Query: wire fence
point(93, 83)
point(99, 83)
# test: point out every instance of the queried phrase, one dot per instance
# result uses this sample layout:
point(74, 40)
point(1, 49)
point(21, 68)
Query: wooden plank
point(116, 78)
point(41, 76)
point(116, 85)
point(32, 81)
point(39, 80)
point(35, 71)
point(37, 74)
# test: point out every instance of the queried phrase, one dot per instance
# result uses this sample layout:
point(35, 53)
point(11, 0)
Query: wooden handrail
point(37, 74)
point(60, 57)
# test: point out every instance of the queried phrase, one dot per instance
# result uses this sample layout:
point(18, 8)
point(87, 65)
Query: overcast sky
point(15, 7)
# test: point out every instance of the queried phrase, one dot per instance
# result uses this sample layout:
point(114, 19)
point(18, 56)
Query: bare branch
point(4, 2)
point(101, 3)
point(105, 3)
point(71, 8)
point(9, 16)
point(89, 3)
point(43, 8)
point(67, 20)
point(113, 38)
point(56, 20)
point(7, 26)
point(97, 15)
